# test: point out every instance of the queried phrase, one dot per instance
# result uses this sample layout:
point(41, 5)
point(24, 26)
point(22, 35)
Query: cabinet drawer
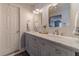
point(60, 51)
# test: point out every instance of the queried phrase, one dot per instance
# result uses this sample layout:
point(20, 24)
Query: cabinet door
point(35, 46)
point(29, 43)
point(27, 39)
point(32, 45)
point(45, 48)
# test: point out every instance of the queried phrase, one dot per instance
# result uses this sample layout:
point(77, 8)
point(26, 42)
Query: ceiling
point(33, 5)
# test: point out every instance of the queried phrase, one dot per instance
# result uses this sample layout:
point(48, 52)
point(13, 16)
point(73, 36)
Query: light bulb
point(37, 10)
point(54, 4)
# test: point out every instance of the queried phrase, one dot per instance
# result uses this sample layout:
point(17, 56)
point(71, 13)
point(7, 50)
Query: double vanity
point(56, 20)
point(38, 44)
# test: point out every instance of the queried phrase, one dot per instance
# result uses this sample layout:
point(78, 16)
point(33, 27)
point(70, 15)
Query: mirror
point(76, 29)
point(59, 15)
point(37, 21)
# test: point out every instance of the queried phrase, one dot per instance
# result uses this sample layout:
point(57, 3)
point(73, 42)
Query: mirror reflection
point(59, 15)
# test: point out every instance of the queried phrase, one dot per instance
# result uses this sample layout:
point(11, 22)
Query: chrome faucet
point(56, 32)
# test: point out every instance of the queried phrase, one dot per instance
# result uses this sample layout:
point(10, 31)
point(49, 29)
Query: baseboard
point(16, 52)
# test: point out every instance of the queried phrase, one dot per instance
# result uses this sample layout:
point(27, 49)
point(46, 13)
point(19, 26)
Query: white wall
point(25, 15)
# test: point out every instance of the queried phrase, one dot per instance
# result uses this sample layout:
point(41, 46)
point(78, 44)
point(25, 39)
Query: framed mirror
point(76, 29)
point(37, 21)
point(59, 15)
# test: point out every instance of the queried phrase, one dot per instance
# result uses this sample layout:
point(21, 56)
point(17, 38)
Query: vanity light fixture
point(53, 4)
point(36, 11)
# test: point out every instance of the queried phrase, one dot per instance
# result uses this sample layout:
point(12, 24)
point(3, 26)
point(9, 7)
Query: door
point(13, 27)
point(9, 29)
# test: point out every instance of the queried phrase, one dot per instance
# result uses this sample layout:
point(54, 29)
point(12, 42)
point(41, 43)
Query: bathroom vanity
point(38, 44)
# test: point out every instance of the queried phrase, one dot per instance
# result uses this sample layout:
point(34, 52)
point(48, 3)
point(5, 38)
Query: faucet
point(56, 32)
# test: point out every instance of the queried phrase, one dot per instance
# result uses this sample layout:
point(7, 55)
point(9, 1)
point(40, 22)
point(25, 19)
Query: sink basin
point(64, 38)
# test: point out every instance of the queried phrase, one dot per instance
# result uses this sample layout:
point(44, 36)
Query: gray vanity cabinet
point(28, 43)
point(37, 46)
point(32, 45)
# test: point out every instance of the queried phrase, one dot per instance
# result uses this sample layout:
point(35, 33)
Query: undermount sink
point(60, 36)
point(64, 38)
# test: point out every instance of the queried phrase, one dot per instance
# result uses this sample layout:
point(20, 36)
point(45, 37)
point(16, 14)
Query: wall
point(3, 32)
point(25, 17)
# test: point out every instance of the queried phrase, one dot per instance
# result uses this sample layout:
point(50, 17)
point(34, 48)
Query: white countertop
point(67, 41)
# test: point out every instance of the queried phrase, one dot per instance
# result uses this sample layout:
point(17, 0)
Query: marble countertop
point(71, 42)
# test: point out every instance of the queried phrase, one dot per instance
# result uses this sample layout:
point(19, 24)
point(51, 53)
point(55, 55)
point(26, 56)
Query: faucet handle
point(57, 32)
